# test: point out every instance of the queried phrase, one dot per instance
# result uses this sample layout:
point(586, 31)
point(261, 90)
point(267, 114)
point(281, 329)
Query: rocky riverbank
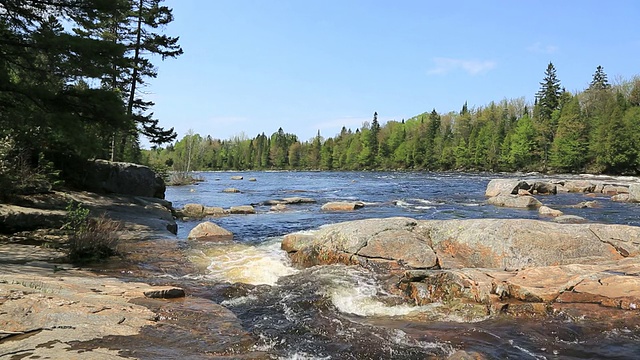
point(129, 306)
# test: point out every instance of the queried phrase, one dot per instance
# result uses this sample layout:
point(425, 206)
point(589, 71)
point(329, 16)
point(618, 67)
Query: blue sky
point(309, 65)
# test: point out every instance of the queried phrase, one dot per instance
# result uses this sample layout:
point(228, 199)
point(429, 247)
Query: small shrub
point(77, 218)
point(96, 240)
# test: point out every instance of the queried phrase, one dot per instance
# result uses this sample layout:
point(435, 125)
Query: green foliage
point(597, 130)
point(77, 218)
point(65, 93)
point(90, 239)
point(96, 240)
point(569, 149)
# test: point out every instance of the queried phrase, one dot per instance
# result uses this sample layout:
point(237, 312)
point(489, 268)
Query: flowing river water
point(340, 312)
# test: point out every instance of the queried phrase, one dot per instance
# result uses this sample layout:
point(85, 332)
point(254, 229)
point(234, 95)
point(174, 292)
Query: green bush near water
point(91, 238)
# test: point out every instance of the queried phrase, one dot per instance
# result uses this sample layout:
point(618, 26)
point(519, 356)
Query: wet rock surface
point(210, 231)
point(342, 206)
point(500, 263)
point(127, 307)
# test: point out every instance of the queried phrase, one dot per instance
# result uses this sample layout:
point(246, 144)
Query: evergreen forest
point(71, 80)
point(596, 130)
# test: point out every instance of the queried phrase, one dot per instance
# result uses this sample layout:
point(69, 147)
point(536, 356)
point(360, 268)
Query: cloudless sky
point(253, 66)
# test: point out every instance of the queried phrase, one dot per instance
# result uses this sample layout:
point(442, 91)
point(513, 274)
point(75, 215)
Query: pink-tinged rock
point(210, 231)
point(342, 206)
point(547, 211)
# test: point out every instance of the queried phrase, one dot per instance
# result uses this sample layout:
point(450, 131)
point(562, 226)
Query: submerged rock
point(279, 207)
point(586, 204)
point(290, 201)
point(231, 190)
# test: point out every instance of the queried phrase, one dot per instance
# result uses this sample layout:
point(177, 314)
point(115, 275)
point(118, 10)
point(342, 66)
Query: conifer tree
point(547, 102)
point(569, 148)
point(599, 81)
point(136, 25)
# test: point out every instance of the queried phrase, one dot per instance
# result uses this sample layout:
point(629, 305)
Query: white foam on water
point(537, 357)
point(471, 204)
point(428, 202)
point(239, 300)
point(304, 356)
point(249, 264)
point(425, 207)
point(400, 337)
point(402, 204)
point(358, 294)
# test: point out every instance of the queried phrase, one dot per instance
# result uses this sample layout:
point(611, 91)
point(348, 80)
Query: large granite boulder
point(104, 176)
point(544, 188)
point(505, 187)
point(522, 243)
point(490, 266)
point(577, 186)
point(475, 243)
point(387, 243)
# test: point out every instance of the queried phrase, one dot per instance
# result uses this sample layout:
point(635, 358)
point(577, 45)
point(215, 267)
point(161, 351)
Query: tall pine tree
point(547, 102)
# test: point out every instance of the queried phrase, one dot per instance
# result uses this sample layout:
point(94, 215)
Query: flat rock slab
point(60, 310)
point(515, 201)
point(482, 243)
point(231, 191)
point(342, 206)
point(243, 210)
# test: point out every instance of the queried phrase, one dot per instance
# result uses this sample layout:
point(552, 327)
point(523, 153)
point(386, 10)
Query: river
point(340, 312)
